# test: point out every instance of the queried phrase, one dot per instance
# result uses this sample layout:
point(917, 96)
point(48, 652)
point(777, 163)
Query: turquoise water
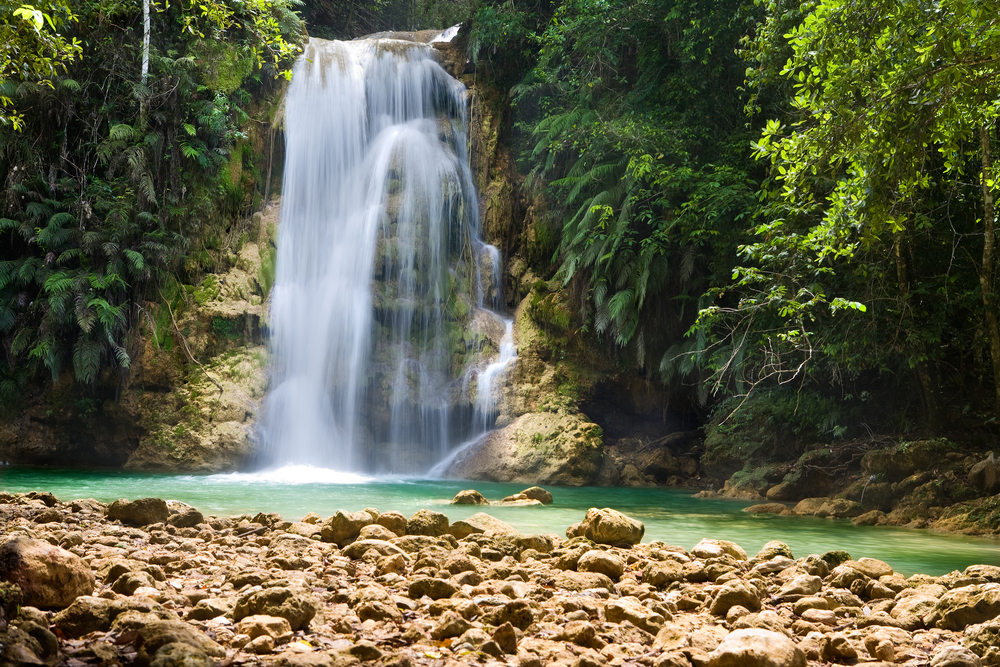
point(671, 515)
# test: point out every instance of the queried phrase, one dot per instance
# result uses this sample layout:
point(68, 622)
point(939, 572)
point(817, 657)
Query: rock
point(394, 521)
point(985, 475)
point(801, 586)
point(376, 532)
point(772, 549)
point(561, 448)
point(152, 637)
point(469, 497)
point(262, 645)
point(210, 608)
point(186, 518)
point(715, 548)
point(506, 638)
point(427, 522)
point(581, 633)
point(358, 549)
point(606, 563)
point(85, 615)
point(838, 508)
point(581, 581)
point(539, 494)
point(378, 611)
point(630, 609)
point(608, 526)
point(809, 506)
point(450, 625)
point(870, 567)
point(141, 512)
point(756, 648)
point(343, 527)
point(181, 654)
point(954, 655)
point(984, 638)
point(435, 589)
point(297, 607)
point(662, 573)
point(365, 650)
point(766, 508)
point(869, 518)
point(961, 607)
point(297, 659)
point(732, 593)
point(258, 625)
point(480, 523)
point(49, 577)
point(540, 543)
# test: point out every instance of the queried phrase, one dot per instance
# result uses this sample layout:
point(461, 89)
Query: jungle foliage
point(769, 193)
point(114, 184)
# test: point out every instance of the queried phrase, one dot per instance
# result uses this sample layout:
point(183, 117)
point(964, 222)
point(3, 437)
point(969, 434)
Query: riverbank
point(160, 584)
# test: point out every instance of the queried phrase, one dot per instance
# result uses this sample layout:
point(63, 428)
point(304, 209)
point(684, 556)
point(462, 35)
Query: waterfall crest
point(381, 273)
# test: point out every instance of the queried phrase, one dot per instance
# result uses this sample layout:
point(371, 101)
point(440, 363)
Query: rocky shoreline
point(155, 583)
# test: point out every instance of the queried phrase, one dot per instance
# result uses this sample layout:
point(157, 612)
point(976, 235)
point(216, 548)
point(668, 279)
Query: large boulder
point(469, 497)
point(985, 475)
point(141, 512)
point(756, 648)
point(968, 605)
point(537, 448)
point(154, 637)
point(896, 463)
point(49, 577)
point(295, 606)
point(608, 526)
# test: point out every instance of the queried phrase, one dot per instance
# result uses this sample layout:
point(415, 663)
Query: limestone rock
point(480, 523)
point(49, 577)
point(968, 605)
point(604, 562)
point(756, 648)
point(469, 497)
point(141, 512)
point(954, 655)
point(766, 508)
point(985, 475)
point(394, 521)
point(85, 615)
point(154, 636)
point(343, 526)
point(608, 526)
point(187, 518)
point(630, 609)
point(358, 549)
point(581, 581)
point(708, 548)
point(297, 607)
point(732, 593)
point(427, 522)
point(539, 494)
point(539, 447)
point(376, 532)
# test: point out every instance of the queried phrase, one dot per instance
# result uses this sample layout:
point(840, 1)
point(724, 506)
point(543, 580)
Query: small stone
point(801, 586)
point(435, 589)
point(390, 564)
point(262, 645)
point(884, 651)
point(376, 532)
point(756, 648)
point(365, 650)
point(735, 613)
point(824, 616)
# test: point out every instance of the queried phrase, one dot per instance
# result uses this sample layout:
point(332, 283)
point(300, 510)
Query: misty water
point(671, 515)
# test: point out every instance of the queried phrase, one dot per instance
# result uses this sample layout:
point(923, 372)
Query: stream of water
point(671, 515)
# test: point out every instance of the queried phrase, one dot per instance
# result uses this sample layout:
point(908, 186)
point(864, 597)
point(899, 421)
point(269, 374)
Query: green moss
point(227, 328)
point(208, 290)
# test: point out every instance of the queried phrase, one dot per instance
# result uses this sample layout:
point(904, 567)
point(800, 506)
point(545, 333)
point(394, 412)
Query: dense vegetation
point(731, 194)
point(123, 164)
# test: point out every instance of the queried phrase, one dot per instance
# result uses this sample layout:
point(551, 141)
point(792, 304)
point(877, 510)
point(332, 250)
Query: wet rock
point(608, 526)
point(766, 508)
point(343, 527)
point(469, 497)
point(49, 577)
point(427, 522)
point(297, 607)
point(809, 506)
point(141, 512)
point(756, 648)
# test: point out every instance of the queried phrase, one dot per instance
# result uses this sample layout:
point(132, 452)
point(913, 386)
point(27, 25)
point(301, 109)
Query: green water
point(670, 515)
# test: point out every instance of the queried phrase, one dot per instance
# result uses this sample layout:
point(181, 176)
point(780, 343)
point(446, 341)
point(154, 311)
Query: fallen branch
point(177, 330)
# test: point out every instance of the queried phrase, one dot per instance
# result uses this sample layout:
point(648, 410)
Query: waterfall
point(380, 269)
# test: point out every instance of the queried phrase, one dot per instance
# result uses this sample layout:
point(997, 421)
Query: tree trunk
point(145, 40)
point(987, 271)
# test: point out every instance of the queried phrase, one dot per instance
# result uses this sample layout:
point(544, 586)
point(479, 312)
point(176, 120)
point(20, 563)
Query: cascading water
point(380, 270)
